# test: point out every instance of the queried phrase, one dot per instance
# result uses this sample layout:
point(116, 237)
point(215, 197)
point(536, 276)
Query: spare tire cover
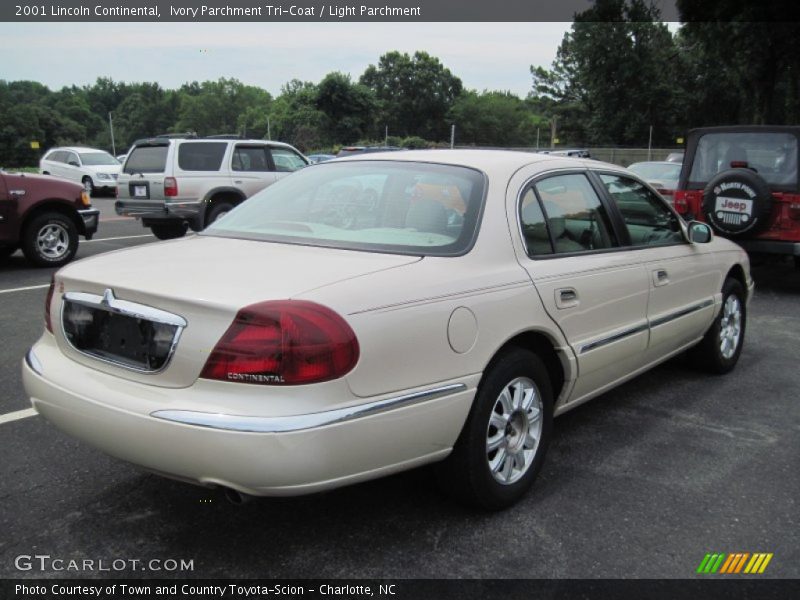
point(737, 202)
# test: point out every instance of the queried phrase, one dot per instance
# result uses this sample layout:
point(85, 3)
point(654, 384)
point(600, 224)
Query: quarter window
point(649, 221)
point(568, 215)
point(201, 156)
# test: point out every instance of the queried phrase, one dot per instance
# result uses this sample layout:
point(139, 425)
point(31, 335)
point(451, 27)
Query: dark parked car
point(44, 216)
point(743, 181)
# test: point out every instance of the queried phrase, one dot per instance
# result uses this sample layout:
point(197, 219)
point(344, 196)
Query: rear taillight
point(48, 323)
point(170, 186)
point(284, 342)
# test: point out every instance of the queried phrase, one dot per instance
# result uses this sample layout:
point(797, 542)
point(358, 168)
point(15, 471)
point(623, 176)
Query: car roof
point(484, 160)
point(79, 149)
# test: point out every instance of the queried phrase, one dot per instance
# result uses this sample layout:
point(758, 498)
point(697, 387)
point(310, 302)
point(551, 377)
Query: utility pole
point(386, 136)
point(553, 131)
point(650, 144)
point(269, 134)
point(537, 138)
point(452, 135)
point(111, 127)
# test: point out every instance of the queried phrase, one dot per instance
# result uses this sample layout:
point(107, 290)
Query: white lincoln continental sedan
point(370, 315)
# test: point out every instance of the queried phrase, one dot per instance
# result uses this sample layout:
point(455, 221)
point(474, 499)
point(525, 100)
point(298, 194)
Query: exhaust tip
point(235, 497)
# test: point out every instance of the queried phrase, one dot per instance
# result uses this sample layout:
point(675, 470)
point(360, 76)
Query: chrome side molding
point(288, 423)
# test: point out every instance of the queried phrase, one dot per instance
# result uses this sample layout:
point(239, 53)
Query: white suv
point(173, 184)
point(94, 169)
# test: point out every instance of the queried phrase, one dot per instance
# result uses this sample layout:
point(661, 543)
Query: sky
point(494, 56)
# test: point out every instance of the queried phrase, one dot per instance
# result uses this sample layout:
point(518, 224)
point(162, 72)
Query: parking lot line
point(122, 237)
point(23, 289)
point(17, 415)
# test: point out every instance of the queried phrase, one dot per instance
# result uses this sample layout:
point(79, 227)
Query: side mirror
point(73, 163)
point(699, 233)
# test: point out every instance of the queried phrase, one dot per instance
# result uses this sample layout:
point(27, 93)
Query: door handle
point(567, 298)
point(238, 182)
point(660, 277)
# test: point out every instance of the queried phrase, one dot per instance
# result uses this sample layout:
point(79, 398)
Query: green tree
point(613, 76)
point(740, 62)
point(348, 107)
point(494, 119)
point(295, 117)
point(414, 94)
point(215, 107)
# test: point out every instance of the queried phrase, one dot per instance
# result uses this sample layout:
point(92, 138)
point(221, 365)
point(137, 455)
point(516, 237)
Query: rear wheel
point(50, 240)
point(720, 348)
point(502, 446)
point(169, 231)
point(219, 209)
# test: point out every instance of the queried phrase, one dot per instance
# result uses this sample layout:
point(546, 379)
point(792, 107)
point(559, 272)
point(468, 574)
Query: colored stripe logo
point(737, 562)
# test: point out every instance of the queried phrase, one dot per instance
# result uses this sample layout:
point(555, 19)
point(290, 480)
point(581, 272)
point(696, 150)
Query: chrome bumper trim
point(33, 362)
point(289, 423)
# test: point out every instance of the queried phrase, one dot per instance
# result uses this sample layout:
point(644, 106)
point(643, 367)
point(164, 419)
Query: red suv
point(743, 181)
point(44, 216)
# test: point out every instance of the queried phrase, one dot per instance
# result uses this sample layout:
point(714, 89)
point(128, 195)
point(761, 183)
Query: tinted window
point(57, 155)
point(250, 158)
point(72, 159)
point(534, 227)
point(772, 155)
point(201, 156)
point(576, 219)
point(400, 207)
point(649, 221)
point(286, 160)
point(147, 159)
point(98, 158)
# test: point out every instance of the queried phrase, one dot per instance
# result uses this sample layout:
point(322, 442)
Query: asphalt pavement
point(641, 482)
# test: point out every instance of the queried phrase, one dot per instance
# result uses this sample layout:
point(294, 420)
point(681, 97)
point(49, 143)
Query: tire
point(484, 468)
point(743, 187)
point(88, 185)
point(719, 350)
point(169, 231)
point(50, 240)
point(217, 210)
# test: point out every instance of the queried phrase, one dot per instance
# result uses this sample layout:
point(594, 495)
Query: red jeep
point(743, 181)
point(44, 216)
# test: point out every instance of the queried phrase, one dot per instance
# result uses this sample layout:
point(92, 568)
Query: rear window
point(382, 206)
point(147, 159)
point(201, 156)
point(773, 155)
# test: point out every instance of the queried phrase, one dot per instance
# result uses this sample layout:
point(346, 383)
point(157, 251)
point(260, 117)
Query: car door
point(72, 167)
point(250, 168)
point(595, 292)
point(681, 275)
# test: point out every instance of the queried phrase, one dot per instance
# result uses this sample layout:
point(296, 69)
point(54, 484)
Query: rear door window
point(147, 159)
point(201, 156)
point(576, 220)
point(250, 158)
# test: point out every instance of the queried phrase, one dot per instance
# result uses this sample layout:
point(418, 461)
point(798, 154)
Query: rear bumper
point(771, 247)
point(184, 210)
point(256, 453)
